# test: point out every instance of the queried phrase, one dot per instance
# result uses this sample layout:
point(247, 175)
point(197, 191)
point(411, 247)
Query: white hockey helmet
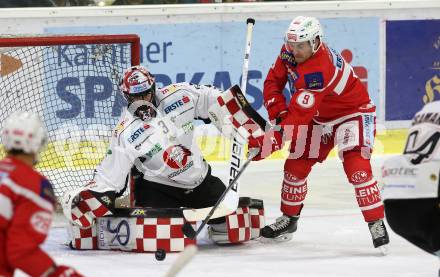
point(137, 81)
point(304, 28)
point(24, 131)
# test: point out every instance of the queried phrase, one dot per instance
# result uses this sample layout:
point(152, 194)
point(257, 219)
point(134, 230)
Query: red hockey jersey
point(26, 210)
point(324, 88)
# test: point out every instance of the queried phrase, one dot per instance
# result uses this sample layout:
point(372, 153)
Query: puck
point(160, 254)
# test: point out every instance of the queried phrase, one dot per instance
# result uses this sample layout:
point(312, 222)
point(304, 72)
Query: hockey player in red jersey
point(329, 106)
point(26, 201)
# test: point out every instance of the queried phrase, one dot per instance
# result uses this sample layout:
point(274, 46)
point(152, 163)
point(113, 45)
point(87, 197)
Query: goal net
point(72, 83)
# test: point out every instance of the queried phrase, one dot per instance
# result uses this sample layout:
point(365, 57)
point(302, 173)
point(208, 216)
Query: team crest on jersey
point(176, 156)
point(314, 80)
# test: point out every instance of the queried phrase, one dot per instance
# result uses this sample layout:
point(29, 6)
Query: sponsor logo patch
point(119, 127)
point(314, 80)
point(179, 103)
point(359, 177)
point(136, 134)
point(169, 89)
point(156, 149)
point(188, 127)
point(288, 57)
point(399, 171)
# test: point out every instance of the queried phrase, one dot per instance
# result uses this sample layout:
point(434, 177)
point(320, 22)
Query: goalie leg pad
point(243, 225)
point(82, 238)
point(149, 231)
point(82, 208)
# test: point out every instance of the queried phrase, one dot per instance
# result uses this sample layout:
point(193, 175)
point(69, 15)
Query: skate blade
point(281, 238)
point(384, 250)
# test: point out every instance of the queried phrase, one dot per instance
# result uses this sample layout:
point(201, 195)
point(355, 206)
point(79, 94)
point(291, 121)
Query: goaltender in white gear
point(172, 157)
point(155, 134)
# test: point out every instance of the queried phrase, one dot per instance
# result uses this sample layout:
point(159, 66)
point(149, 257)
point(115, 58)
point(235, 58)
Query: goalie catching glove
point(232, 114)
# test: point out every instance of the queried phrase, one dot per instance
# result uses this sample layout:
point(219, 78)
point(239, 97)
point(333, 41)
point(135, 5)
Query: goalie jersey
point(164, 148)
point(415, 173)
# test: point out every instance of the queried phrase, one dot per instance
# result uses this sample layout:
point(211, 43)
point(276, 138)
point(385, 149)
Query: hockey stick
point(229, 205)
point(188, 230)
point(184, 258)
point(236, 158)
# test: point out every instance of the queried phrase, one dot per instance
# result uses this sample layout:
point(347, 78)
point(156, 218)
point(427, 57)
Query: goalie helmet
point(136, 85)
point(25, 132)
point(303, 28)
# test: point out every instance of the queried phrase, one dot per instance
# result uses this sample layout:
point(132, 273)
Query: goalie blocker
point(149, 229)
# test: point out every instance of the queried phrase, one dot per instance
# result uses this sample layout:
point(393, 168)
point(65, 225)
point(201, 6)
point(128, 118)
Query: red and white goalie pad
point(135, 230)
point(81, 207)
point(233, 114)
point(242, 225)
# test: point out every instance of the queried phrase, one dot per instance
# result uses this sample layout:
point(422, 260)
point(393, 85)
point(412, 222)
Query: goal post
point(72, 83)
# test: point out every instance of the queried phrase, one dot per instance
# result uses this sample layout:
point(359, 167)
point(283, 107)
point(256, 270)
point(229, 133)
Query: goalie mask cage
point(72, 83)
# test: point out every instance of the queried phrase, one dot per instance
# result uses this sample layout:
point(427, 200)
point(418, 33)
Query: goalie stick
point(236, 158)
point(225, 207)
point(188, 230)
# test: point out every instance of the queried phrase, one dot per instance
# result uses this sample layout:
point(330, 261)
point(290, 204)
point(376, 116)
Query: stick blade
point(188, 230)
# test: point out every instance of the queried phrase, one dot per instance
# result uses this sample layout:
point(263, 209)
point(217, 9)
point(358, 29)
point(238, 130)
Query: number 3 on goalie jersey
point(162, 124)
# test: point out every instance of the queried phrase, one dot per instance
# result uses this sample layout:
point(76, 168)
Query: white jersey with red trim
point(416, 173)
point(164, 148)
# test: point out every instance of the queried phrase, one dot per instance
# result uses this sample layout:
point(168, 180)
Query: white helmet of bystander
point(24, 131)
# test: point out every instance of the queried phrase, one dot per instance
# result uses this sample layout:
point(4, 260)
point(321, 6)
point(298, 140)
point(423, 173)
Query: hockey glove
point(270, 142)
point(275, 105)
point(64, 271)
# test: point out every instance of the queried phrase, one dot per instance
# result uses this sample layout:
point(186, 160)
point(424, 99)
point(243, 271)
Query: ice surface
point(332, 238)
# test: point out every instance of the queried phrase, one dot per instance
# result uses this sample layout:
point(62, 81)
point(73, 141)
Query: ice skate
point(281, 230)
point(379, 235)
